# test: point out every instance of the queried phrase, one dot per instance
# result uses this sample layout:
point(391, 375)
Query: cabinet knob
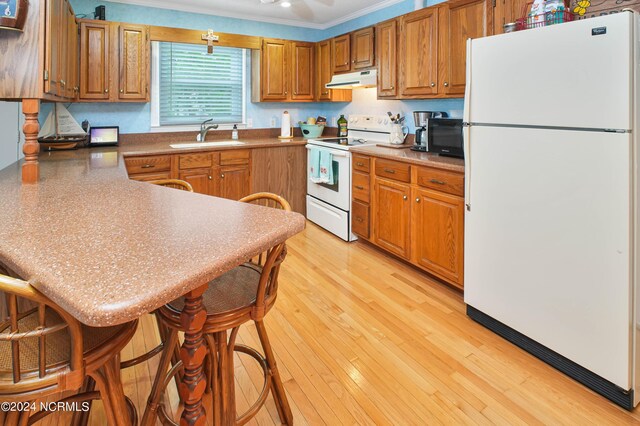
point(392, 87)
point(106, 90)
point(346, 63)
point(359, 219)
point(210, 177)
point(148, 166)
point(404, 197)
point(417, 200)
point(354, 61)
point(325, 93)
point(433, 84)
point(295, 93)
point(446, 84)
point(222, 175)
point(121, 90)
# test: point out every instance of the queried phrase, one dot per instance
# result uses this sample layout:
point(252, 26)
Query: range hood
point(354, 80)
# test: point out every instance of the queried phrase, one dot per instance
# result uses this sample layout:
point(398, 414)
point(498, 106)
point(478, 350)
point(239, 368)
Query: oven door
point(338, 194)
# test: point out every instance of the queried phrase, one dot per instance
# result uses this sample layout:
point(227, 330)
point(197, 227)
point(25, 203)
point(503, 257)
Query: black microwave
point(445, 137)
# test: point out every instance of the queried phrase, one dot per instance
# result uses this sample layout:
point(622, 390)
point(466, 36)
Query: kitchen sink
point(206, 144)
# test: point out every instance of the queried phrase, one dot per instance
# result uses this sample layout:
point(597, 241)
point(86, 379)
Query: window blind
point(195, 86)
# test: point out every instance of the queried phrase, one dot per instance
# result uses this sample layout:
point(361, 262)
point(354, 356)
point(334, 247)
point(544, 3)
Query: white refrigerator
point(552, 191)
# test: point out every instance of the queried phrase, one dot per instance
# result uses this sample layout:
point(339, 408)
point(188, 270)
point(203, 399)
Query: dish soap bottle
point(342, 127)
point(234, 132)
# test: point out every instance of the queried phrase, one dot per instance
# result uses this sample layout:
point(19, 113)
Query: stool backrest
point(28, 367)
point(173, 183)
point(270, 260)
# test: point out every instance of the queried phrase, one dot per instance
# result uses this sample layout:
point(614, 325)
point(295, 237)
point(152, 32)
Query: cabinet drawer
point(195, 161)
point(441, 180)
point(361, 163)
point(393, 170)
point(360, 219)
point(361, 188)
point(235, 157)
point(145, 177)
point(158, 163)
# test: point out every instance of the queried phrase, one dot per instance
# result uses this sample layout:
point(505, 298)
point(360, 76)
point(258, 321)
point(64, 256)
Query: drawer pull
point(359, 164)
point(148, 166)
point(437, 182)
point(390, 171)
point(361, 188)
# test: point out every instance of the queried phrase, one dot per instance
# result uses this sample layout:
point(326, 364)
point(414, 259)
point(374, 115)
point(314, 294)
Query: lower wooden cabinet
point(415, 212)
point(391, 222)
point(235, 182)
point(202, 180)
point(224, 174)
point(437, 233)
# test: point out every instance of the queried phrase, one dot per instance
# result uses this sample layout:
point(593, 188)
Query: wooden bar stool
point(44, 352)
point(246, 293)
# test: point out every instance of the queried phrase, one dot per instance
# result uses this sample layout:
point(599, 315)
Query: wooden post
point(31, 168)
point(192, 353)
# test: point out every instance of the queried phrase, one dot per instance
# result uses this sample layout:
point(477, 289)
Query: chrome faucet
point(204, 129)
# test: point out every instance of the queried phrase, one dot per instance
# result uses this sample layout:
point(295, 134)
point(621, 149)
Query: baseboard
point(614, 393)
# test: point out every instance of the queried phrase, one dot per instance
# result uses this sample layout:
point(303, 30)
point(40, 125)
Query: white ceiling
point(318, 14)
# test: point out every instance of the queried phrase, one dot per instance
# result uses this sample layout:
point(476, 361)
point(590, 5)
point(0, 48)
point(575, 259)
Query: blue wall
point(136, 117)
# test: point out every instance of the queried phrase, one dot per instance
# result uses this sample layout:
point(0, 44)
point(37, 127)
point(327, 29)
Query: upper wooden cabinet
point(283, 71)
point(507, 11)
point(418, 53)
point(40, 61)
point(353, 51)
point(432, 47)
point(302, 71)
point(341, 51)
point(114, 62)
point(324, 74)
point(386, 53)
point(362, 49)
point(460, 20)
point(133, 56)
point(94, 60)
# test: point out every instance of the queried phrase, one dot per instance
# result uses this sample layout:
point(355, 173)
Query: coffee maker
point(421, 119)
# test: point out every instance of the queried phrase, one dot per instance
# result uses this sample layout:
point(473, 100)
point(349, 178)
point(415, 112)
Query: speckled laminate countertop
point(108, 249)
point(413, 157)
point(163, 147)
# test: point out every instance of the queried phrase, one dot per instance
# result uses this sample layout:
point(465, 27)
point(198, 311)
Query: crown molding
point(172, 5)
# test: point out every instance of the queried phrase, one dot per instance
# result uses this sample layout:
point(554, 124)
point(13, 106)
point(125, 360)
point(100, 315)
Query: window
point(191, 86)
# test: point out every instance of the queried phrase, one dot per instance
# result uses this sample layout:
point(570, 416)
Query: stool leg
point(111, 390)
point(81, 418)
point(226, 386)
point(279, 394)
point(151, 410)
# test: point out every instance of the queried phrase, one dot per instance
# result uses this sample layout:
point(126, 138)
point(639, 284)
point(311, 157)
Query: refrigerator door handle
point(466, 132)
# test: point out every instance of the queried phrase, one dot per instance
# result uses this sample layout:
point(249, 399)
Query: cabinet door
point(323, 67)
point(274, 74)
point(94, 60)
point(386, 44)
point(418, 53)
point(202, 180)
point(392, 210)
point(341, 52)
point(133, 54)
point(438, 233)
point(53, 47)
point(362, 49)
point(302, 71)
point(235, 182)
point(72, 56)
point(460, 20)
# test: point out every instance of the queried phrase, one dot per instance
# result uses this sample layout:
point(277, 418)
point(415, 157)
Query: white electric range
point(330, 205)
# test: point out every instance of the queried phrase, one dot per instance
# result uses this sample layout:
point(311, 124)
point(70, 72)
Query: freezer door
point(577, 74)
point(547, 240)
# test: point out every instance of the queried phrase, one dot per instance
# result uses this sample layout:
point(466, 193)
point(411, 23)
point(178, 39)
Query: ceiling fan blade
point(301, 9)
point(326, 2)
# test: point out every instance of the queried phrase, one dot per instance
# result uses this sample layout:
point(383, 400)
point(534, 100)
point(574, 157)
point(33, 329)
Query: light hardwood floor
point(364, 339)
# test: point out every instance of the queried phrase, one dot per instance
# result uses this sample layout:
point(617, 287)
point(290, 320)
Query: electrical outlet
point(273, 122)
point(249, 123)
